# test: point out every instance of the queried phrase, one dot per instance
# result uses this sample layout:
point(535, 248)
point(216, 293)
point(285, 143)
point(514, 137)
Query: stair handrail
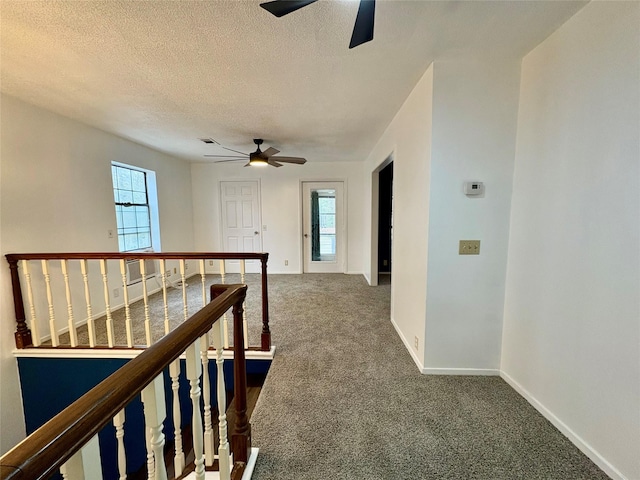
point(23, 333)
point(50, 446)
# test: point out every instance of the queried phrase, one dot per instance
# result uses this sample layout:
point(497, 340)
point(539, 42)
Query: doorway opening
point(385, 223)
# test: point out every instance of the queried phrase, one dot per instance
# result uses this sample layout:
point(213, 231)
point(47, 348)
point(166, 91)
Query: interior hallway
point(344, 400)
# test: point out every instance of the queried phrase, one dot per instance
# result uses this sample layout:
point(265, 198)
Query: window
point(327, 207)
point(133, 208)
point(323, 225)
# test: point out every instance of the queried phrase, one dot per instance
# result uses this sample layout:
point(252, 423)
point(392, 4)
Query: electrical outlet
point(286, 263)
point(110, 233)
point(211, 263)
point(168, 273)
point(415, 342)
point(469, 247)
point(175, 270)
point(186, 266)
point(116, 292)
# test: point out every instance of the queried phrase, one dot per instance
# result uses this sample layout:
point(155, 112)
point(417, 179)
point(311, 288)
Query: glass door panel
point(322, 226)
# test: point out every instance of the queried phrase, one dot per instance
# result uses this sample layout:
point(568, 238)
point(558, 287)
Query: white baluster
point(223, 447)
point(203, 279)
point(118, 423)
point(179, 460)
point(225, 322)
point(85, 463)
point(245, 326)
point(73, 335)
point(222, 272)
point(184, 290)
point(151, 466)
point(209, 444)
point(35, 335)
point(52, 316)
point(91, 329)
point(194, 369)
point(154, 415)
point(127, 309)
point(145, 298)
point(107, 306)
point(64, 470)
point(163, 276)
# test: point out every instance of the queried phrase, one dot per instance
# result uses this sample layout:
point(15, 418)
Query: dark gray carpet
point(343, 400)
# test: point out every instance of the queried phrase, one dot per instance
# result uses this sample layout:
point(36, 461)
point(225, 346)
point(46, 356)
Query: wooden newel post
point(265, 343)
point(23, 334)
point(241, 436)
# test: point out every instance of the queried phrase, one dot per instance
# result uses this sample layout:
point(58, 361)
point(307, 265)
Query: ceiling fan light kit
point(362, 30)
point(257, 162)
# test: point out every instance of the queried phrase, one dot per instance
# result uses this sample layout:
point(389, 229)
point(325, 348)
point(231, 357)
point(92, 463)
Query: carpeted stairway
point(344, 400)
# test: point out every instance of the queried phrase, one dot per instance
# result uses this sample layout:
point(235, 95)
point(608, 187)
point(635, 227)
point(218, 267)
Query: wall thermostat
point(473, 188)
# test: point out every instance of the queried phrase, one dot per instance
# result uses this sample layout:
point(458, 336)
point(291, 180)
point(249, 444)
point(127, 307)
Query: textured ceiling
point(167, 73)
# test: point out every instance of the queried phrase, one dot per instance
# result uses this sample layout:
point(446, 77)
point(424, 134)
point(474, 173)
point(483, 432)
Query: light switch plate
point(469, 247)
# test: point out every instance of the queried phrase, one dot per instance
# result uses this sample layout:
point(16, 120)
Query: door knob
point(306, 235)
point(256, 232)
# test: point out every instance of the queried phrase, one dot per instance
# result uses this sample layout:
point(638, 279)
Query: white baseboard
point(584, 447)
point(251, 464)
point(580, 443)
point(407, 345)
point(487, 372)
point(441, 371)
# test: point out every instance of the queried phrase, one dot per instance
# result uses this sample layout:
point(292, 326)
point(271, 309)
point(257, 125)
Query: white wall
point(408, 139)
point(281, 208)
point(57, 196)
point(475, 105)
point(458, 124)
point(572, 321)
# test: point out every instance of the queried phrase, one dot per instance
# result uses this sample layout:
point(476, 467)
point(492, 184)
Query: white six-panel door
point(241, 229)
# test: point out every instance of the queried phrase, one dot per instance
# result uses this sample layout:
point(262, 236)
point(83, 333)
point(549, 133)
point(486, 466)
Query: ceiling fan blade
point(280, 8)
point(232, 150)
point(227, 156)
point(270, 152)
point(363, 29)
point(232, 160)
point(298, 160)
point(273, 163)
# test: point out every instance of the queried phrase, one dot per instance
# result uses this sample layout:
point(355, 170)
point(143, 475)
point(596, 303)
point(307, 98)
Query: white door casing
point(241, 225)
point(329, 256)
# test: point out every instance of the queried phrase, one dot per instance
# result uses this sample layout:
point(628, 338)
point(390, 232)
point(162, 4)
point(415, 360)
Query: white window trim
point(154, 214)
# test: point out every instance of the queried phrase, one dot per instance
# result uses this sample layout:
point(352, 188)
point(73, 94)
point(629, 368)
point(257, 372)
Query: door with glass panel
point(323, 227)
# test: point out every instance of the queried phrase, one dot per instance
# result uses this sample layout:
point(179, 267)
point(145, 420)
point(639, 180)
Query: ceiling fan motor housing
point(257, 157)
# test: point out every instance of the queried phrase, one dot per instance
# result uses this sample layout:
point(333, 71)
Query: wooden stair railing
point(47, 449)
point(27, 330)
